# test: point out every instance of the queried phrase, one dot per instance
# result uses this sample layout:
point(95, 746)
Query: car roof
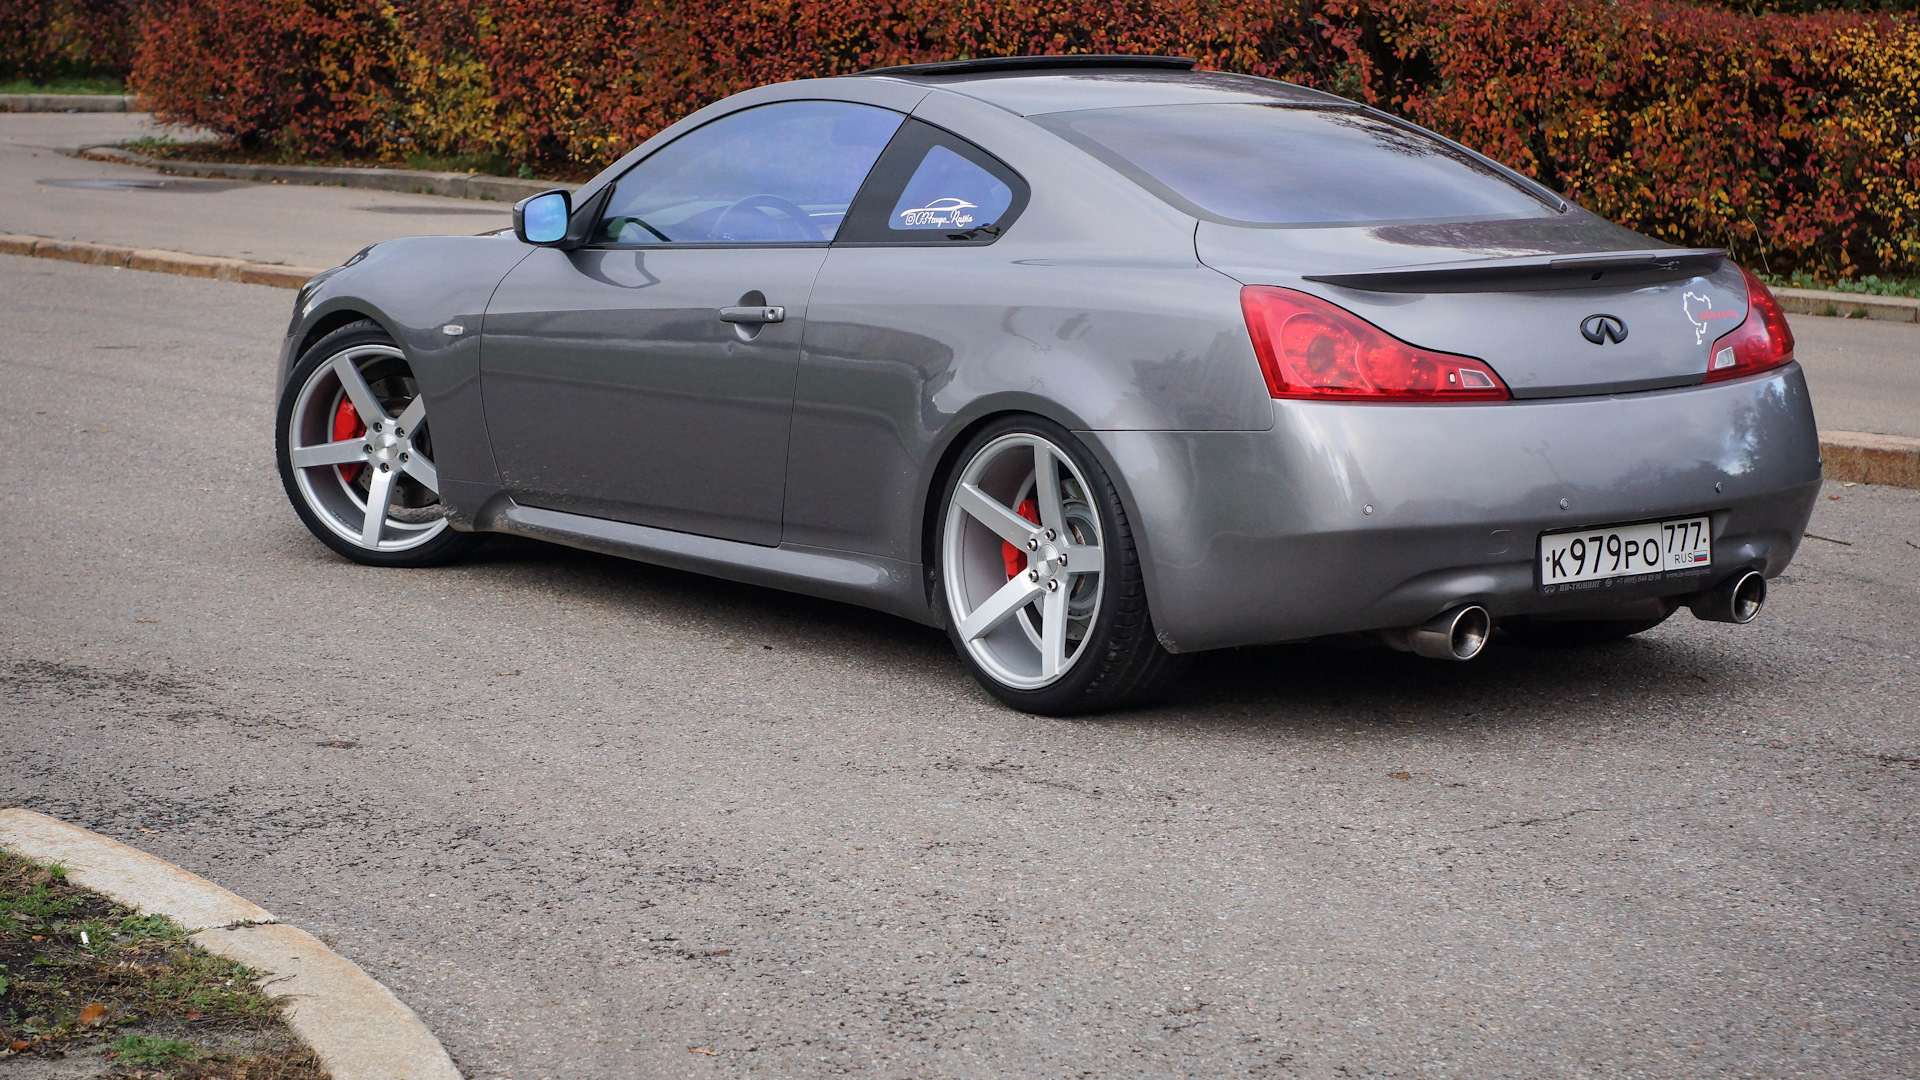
point(1033, 85)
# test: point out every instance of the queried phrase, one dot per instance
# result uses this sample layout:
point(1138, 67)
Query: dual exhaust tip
point(1457, 634)
point(1461, 633)
point(1736, 600)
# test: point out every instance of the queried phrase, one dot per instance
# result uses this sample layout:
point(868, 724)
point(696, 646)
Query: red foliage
point(308, 74)
point(1779, 135)
point(41, 39)
point(1698, 125)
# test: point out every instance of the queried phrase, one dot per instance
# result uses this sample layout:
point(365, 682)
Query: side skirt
point(888, 585)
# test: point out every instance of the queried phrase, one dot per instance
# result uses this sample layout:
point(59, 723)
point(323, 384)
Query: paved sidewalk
point(1865, 374)
point(276, 223)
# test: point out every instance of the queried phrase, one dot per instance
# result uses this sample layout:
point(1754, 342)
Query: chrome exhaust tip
point(1736, 600)
point(1458, 634)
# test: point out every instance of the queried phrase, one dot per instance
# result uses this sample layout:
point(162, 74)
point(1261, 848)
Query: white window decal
point(949, 194)
point(946, 213)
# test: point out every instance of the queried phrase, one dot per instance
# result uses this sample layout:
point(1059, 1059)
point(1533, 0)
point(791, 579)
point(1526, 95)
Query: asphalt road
point(596, 819)
point(44, 192)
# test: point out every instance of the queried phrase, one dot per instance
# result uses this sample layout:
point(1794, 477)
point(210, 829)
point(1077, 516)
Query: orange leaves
point(1779, 136)
point(40, 39)
point(1689, 123)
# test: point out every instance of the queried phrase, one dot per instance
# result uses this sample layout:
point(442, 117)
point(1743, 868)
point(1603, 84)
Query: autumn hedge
point(46, 39)
point(1788, 137)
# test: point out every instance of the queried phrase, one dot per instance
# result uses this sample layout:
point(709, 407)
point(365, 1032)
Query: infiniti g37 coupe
point(1090, 361)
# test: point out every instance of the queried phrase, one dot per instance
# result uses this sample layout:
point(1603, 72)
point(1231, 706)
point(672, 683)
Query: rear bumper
point(1251, 537)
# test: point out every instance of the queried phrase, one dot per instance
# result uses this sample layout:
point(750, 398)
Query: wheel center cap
point(386, 446)
point(1046, 560)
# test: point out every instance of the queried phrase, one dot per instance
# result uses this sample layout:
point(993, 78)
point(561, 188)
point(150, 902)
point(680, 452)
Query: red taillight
point(1309, 348)
point(1761, 341)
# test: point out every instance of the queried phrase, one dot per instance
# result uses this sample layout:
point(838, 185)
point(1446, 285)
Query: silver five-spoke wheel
point(356, 452)
point(1024, 561)
point(360, 451)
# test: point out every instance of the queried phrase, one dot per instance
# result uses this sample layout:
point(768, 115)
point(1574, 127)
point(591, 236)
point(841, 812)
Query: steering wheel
point(794, 223)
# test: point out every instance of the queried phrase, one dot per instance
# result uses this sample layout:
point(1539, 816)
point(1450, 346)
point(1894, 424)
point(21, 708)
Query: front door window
point(776, 174)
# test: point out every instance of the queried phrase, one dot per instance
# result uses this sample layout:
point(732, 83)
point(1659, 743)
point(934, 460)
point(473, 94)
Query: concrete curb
point(356, 1025)
point(1849, 305)
point(456, 185)
point(1867, 458)
point(165, 262)
point(113, 868)
point(68, 103)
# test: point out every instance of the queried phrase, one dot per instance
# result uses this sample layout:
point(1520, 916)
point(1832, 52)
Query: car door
point(910, 282)
point(648, 376)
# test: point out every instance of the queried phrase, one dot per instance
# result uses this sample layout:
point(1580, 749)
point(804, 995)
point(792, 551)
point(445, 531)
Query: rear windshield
point(1286, 165)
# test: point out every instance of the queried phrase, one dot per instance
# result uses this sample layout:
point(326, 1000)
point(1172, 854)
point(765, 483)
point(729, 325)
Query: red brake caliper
point(347, 425)
point(1015, 558)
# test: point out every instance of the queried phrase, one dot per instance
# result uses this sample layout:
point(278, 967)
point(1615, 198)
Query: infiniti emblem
point(1601, 329)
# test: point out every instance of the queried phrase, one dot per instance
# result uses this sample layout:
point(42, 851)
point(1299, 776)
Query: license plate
point(1612, 555)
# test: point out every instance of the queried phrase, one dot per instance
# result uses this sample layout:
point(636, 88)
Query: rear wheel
point(356, 453)
point(1041, 583)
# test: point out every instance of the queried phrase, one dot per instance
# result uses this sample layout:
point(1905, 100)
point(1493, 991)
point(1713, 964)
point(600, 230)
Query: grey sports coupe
point(1092, 361)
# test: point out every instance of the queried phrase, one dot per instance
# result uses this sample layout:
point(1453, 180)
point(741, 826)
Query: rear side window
point(949, 192)
point(775, 174)
point(932, 187)
point(1278, 165)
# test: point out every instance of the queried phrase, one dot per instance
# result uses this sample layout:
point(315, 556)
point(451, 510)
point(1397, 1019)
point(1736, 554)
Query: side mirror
point(542, 219)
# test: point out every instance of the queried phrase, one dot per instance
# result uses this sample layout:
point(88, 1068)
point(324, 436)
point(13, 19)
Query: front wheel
point(1040, 580)
point(356, 453)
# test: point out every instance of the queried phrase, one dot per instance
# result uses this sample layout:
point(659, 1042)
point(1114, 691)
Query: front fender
point(418, 289)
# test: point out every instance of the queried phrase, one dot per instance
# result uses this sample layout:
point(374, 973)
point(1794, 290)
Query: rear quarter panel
point(1093, 310)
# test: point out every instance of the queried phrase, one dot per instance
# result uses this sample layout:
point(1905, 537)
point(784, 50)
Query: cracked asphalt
point(596, 819)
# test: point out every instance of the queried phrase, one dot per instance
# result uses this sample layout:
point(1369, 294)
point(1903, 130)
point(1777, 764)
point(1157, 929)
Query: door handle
point(753, 314)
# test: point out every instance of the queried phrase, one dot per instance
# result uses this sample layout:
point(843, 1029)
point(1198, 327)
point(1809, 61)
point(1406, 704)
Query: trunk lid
point(1560, 307)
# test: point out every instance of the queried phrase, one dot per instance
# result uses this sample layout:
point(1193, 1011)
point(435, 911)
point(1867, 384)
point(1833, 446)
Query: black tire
point(1120, 661)
point(324, 497)
point(1528, 631)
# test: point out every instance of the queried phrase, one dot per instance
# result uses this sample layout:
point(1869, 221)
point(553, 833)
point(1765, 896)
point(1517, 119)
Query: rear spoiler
point(1542, 271)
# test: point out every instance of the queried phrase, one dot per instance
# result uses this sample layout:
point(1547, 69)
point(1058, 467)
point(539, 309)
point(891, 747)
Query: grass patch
point(1870, 285)
point(72, 84)
point(81, 974)
point(147, 1050)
